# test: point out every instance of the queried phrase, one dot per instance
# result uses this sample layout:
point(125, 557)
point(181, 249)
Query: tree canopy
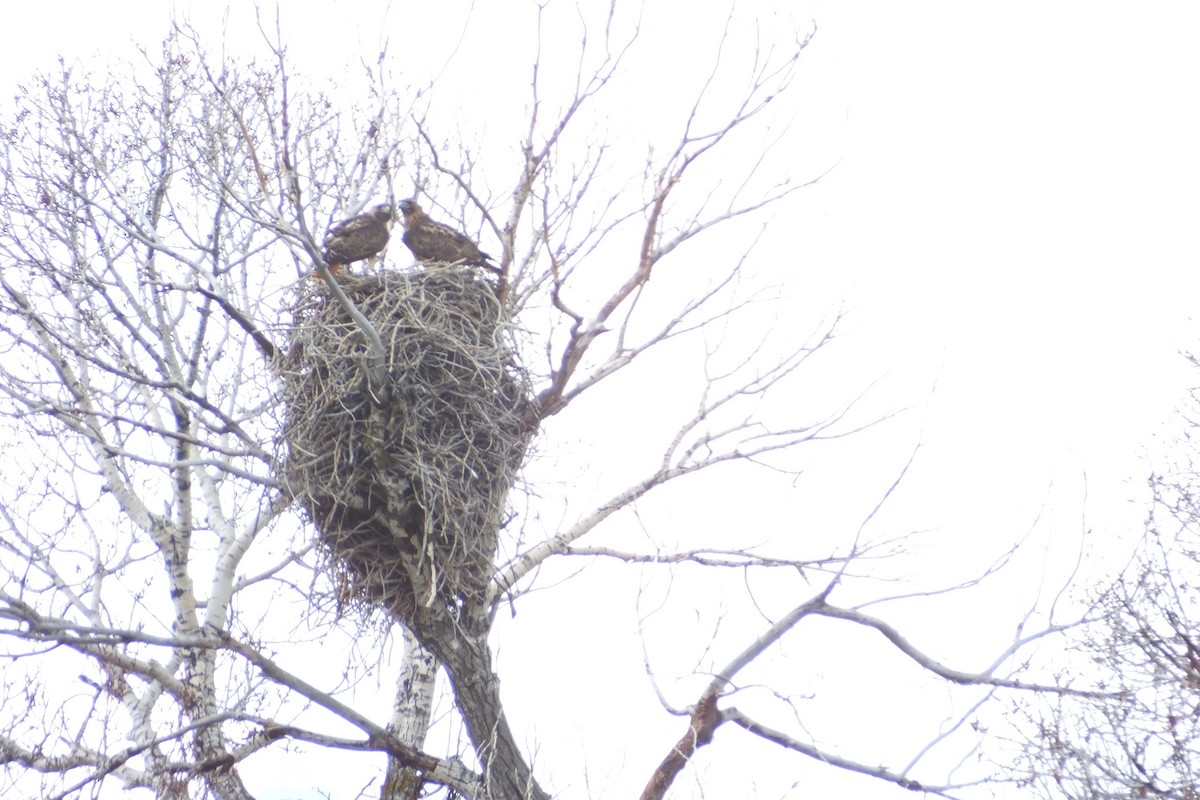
point(252, 509)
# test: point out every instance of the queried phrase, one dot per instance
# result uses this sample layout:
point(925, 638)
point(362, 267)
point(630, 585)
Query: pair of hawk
point(364, 236)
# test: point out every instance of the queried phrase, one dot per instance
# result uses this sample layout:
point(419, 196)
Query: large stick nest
point(406, 483)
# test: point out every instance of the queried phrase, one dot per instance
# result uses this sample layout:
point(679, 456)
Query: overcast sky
point(1016, 190)
point(1012, 217)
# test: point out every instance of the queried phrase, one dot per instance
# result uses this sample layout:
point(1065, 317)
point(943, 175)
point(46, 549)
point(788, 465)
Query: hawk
point(358, 238)
point(433, 241)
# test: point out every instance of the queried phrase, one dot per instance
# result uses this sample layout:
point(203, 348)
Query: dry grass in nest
point(407, 491)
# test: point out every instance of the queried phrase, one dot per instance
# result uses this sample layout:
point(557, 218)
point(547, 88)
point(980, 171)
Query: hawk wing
point(433, 241)
point(355, 239)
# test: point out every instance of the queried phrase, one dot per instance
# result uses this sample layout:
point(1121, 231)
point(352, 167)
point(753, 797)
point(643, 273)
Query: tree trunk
point(410, 720)
point(468, 663)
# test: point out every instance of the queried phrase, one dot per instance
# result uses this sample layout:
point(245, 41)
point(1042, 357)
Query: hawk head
point(383, 213)
point(410, 209)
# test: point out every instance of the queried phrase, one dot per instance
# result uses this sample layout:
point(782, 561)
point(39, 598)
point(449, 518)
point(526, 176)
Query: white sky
point(1014, 217)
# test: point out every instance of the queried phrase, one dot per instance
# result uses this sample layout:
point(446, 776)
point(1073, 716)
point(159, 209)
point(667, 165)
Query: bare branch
point(783, 740)
point(986, 678)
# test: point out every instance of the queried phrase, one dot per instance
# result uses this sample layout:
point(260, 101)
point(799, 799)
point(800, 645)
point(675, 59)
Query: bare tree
point(1141, 737)
point(168, 534)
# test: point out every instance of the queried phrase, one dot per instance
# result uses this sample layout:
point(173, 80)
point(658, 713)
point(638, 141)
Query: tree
point(168, 573)
point(1140, 737)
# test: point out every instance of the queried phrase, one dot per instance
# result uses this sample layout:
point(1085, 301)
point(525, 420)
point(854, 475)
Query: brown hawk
point(358, 238)
point(432, 241)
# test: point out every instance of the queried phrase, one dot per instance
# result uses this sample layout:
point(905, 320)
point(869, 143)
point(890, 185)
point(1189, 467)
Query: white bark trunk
point(411, 715)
